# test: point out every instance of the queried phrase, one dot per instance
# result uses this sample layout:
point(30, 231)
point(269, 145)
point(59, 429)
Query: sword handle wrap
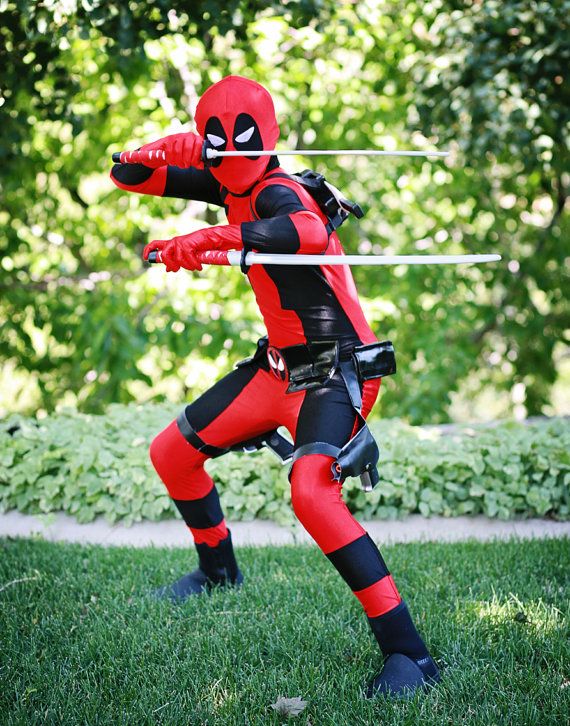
point(208, 257)
point(214, 257)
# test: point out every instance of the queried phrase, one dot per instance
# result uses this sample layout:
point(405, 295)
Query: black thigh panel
point(201, 412)
point(326, 415)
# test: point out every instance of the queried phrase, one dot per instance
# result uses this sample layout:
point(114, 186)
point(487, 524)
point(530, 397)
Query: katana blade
point(261, 258)
point(211, 153)
point(234, 258)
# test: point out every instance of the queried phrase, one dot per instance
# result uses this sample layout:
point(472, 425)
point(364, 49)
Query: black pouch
point(375, 360)
point(260, 352)
point(311, 365)
point(358, 457)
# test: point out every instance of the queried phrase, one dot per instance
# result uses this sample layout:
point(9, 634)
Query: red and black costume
point(269, 211)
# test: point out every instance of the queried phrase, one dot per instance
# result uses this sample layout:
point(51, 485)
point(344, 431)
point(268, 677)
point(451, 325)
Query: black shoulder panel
point(198, 184)
point(277, 199)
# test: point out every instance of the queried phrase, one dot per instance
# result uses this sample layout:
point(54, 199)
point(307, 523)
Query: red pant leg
point(181, 468)
point(240, 406)
point(326, 415)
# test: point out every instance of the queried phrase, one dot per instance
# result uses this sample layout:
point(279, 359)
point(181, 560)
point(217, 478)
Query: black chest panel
point(306, 292)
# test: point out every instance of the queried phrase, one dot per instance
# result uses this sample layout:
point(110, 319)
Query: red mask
point(238, 114)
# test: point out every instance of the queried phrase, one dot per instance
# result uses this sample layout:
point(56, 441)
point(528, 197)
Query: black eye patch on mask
point(250, 140)
point(214, 128)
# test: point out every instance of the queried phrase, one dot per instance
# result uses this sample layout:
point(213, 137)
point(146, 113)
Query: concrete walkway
point(172, 533)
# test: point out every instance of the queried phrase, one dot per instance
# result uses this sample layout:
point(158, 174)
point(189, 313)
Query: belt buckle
point(277, 363)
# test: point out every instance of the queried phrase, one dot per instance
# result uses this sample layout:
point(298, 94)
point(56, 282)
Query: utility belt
point(306, 367)
point(311, 365)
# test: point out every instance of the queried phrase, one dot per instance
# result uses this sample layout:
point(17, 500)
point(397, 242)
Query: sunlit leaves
point(489, 80)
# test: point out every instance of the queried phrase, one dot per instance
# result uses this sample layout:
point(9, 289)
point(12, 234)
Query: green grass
point(80, 643)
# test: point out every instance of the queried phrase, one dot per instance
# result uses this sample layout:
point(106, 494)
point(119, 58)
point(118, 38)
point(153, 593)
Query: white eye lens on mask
point(245, 136)
point(215, 140)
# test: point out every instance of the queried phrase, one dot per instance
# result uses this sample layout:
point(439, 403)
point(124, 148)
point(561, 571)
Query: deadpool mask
point(237, 114)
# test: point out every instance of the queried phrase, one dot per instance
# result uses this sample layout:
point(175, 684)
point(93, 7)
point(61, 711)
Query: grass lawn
point(80, 643)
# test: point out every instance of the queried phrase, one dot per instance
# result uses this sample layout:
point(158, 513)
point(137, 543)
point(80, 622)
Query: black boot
point(217, 567)
point(408, 666)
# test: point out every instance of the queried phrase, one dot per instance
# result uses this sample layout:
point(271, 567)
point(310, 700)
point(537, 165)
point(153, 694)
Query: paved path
point(172, 533)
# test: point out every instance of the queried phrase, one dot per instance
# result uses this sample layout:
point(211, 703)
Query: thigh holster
point(312, 365)
point(360, 455)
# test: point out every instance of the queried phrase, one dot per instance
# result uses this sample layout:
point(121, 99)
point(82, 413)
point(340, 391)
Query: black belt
point(304, 366)
point(311, 365)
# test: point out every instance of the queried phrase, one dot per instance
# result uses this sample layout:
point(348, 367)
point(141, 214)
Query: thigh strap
point(317, 447)
point(276, 443)
point(350, 377)
point(196, 441)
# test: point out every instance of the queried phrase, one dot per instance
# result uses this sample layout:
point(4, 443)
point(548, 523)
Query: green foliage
point(89, 465)
point(493, 77)
point(83, 322)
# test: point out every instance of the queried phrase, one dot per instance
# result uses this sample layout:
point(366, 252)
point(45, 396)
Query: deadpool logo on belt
point(277, 363)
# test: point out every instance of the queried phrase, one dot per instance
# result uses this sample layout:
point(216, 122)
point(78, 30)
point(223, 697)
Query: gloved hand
point(174, 254)
point(184, 251)
point(182, 150)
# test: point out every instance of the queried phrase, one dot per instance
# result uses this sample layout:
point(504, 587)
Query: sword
point(209, 153)
point(234, 259)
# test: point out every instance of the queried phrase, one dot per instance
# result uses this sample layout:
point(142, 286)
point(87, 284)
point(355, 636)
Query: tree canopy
point(85, 323)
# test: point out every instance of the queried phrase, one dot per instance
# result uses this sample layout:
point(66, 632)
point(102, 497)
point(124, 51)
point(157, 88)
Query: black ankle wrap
point(396, 633)
point(218, 563)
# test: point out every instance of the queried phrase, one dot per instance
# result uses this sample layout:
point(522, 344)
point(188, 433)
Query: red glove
point(184, 251)
point(182, 150)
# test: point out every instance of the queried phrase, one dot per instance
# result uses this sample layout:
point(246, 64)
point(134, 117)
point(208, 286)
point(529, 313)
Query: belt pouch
point(375, 360)
point(358, 457)
point(310, 365)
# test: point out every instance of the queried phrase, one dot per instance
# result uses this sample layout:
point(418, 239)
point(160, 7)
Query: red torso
point(298, 303)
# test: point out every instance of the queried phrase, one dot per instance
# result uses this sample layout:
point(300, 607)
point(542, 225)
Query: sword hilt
point(208, 157)
point(207, 257)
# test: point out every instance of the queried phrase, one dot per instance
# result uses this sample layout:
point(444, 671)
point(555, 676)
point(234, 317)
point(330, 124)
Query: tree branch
point(74, 192)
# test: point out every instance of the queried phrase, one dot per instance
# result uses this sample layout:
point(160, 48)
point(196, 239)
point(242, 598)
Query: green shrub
point(89, 465)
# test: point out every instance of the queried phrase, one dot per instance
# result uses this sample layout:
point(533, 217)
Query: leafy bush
point(89, 465)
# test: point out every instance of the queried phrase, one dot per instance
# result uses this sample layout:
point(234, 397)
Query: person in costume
point(302, 375)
